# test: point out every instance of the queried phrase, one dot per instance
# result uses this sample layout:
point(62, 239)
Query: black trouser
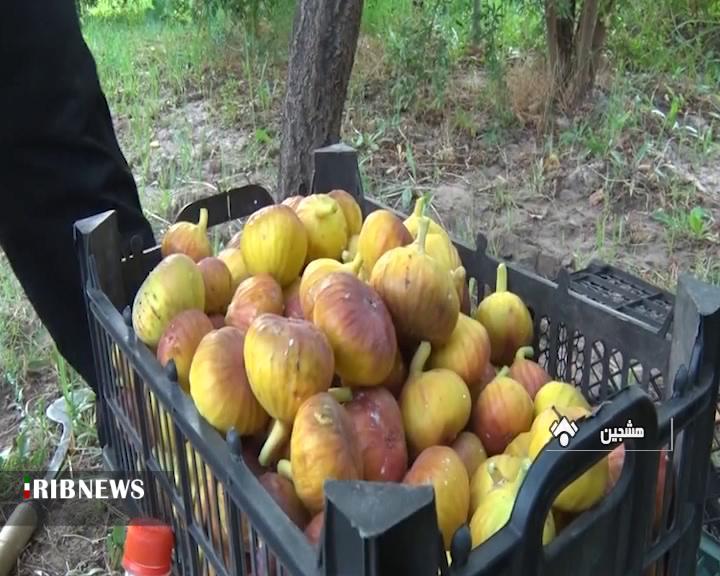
point(59, 162)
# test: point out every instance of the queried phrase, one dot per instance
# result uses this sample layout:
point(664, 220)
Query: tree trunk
point(322, 53)
point(582, 79)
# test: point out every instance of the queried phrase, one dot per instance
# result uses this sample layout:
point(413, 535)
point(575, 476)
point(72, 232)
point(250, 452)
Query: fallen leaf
point(597, 197)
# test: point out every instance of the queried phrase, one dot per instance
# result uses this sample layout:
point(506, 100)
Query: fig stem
point(355, 265)
point(501, 279)
point(284, 468)
point(524, 352)
point(202, 223)
point(504, 371)
point(495, 474)
point(346, 256)
point(341, 394)
point(279, 434)
point(420, 358)
point(420, 206)
point(424, 226)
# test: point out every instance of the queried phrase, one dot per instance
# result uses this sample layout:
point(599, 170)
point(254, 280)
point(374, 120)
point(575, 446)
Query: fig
point(218, 284)
point(351, 251)
point(378, 424)
point(589, 488)
point(381, 231)
point(501, 412)
point(350, 209)
point(507, 320)
point(257, 295)
point(235, 262)
point(435, 404)
point(529, 373)
point(397, 377)
point(188, 238)
point(219, 385)
point(286, 361)
point(174, 285)
point(313, 531)
point(495, 472)
point(235, 240)
point(180, 340)
point(313, 275)
point(283, 492)
point(359, 328)
point(442, 468)
point(217, 320)
point(467, 353)
point(560, 395)
point(274, 241)
point(470, 450)
point(327, 230)
point(323, 445)
point(419, 293)
point(291, 297)
point(520, 445)
point(293, 201)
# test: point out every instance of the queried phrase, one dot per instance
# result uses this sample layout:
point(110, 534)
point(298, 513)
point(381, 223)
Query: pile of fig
point(343, 346)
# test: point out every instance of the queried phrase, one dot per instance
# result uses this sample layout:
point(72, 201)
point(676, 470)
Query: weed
point(693, 224)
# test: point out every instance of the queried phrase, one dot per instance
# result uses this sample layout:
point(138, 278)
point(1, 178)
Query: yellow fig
point(350, 252)
point(507, 320)
point(412, 222)
point(327, 230)
point(560, 395)
point(520, 446)
point(174, 285)
point(188, 238)
point(218, 284)
point(235, 262)
point(495, 472)
point(381, 231)
point(293, 202)
point(350, 209)
point(313, 275)
point(274, 242)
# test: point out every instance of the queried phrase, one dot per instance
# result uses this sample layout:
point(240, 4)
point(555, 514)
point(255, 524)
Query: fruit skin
point(350, 209)
point(188, 238)
point(378, 424)
point(351, 251)
point(589, 488)
point(274, 241)
point(314, 274)
point(219, 385)
point(235, 262)
point(419, 293)
point(180, 340)
point(218, 284)
point(507, 320)
point(218, 321)
point(283, 492)
point(359, 328)
point(502, 411)
point(291, 297)
point(323, 446)
point(174, 285)
point(529, 373)
point(467, 353)
point(293, 201)
point(327, 230)
point(313, 530)
point(558, 394)
point(471, 451)
point(435, 404)
point(381, 231)
point(519, 446)
point(397, 377)
point(495, 472)
point(257, 295)
point(441, 467)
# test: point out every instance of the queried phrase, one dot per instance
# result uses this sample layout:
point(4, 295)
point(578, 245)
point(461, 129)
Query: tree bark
point(582, 77)
point(322, 54)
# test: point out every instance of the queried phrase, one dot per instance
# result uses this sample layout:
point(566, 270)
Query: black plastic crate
point(666, 382)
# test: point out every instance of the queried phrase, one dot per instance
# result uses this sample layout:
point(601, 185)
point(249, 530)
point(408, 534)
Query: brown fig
point(218, 284)
point(359, 328)
point(219, 385)
point(255, 296)
point(323, 446)
point(327, 230)
point(350, 209)
point(293, 201)
point(235, 262)
point(381, 231)
point(291, 296)
point(419, 293)
point(283, 492)
point(435, 404)
point(379, 428)
point(313, 275)
point(180, 340)
point(188, 238)
point(471, 451)
point(530, 374)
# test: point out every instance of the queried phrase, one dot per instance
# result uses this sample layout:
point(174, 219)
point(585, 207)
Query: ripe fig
point(378, 425)
point(256, 295)
point(219, 385)
point(560, 395)
point(217, 320)
point(397, 377)
point(442, 468)
point(435, 404)
point(351, 251)
point(235, 262)
point(471, 451)
point(507, 320)
point(350, 209)
point(180, 340)
point(467, 353)
point(283, 492)
point(218, 284)
point(315, 273)
point(323, 446)
point(495, 472)
point(188, 238)
point(287, 361)
point(274, 242)
point(291, 296)
point(359, 328)
point(419, 293)
point(502, 411)
point(313, 531)
point(381, 231)
point(174, 285)
point(293, 201)
point(520, 445)
point(530, 374)
point(327, 230)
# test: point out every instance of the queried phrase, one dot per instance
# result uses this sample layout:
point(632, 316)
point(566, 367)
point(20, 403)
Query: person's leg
point(59, 162)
